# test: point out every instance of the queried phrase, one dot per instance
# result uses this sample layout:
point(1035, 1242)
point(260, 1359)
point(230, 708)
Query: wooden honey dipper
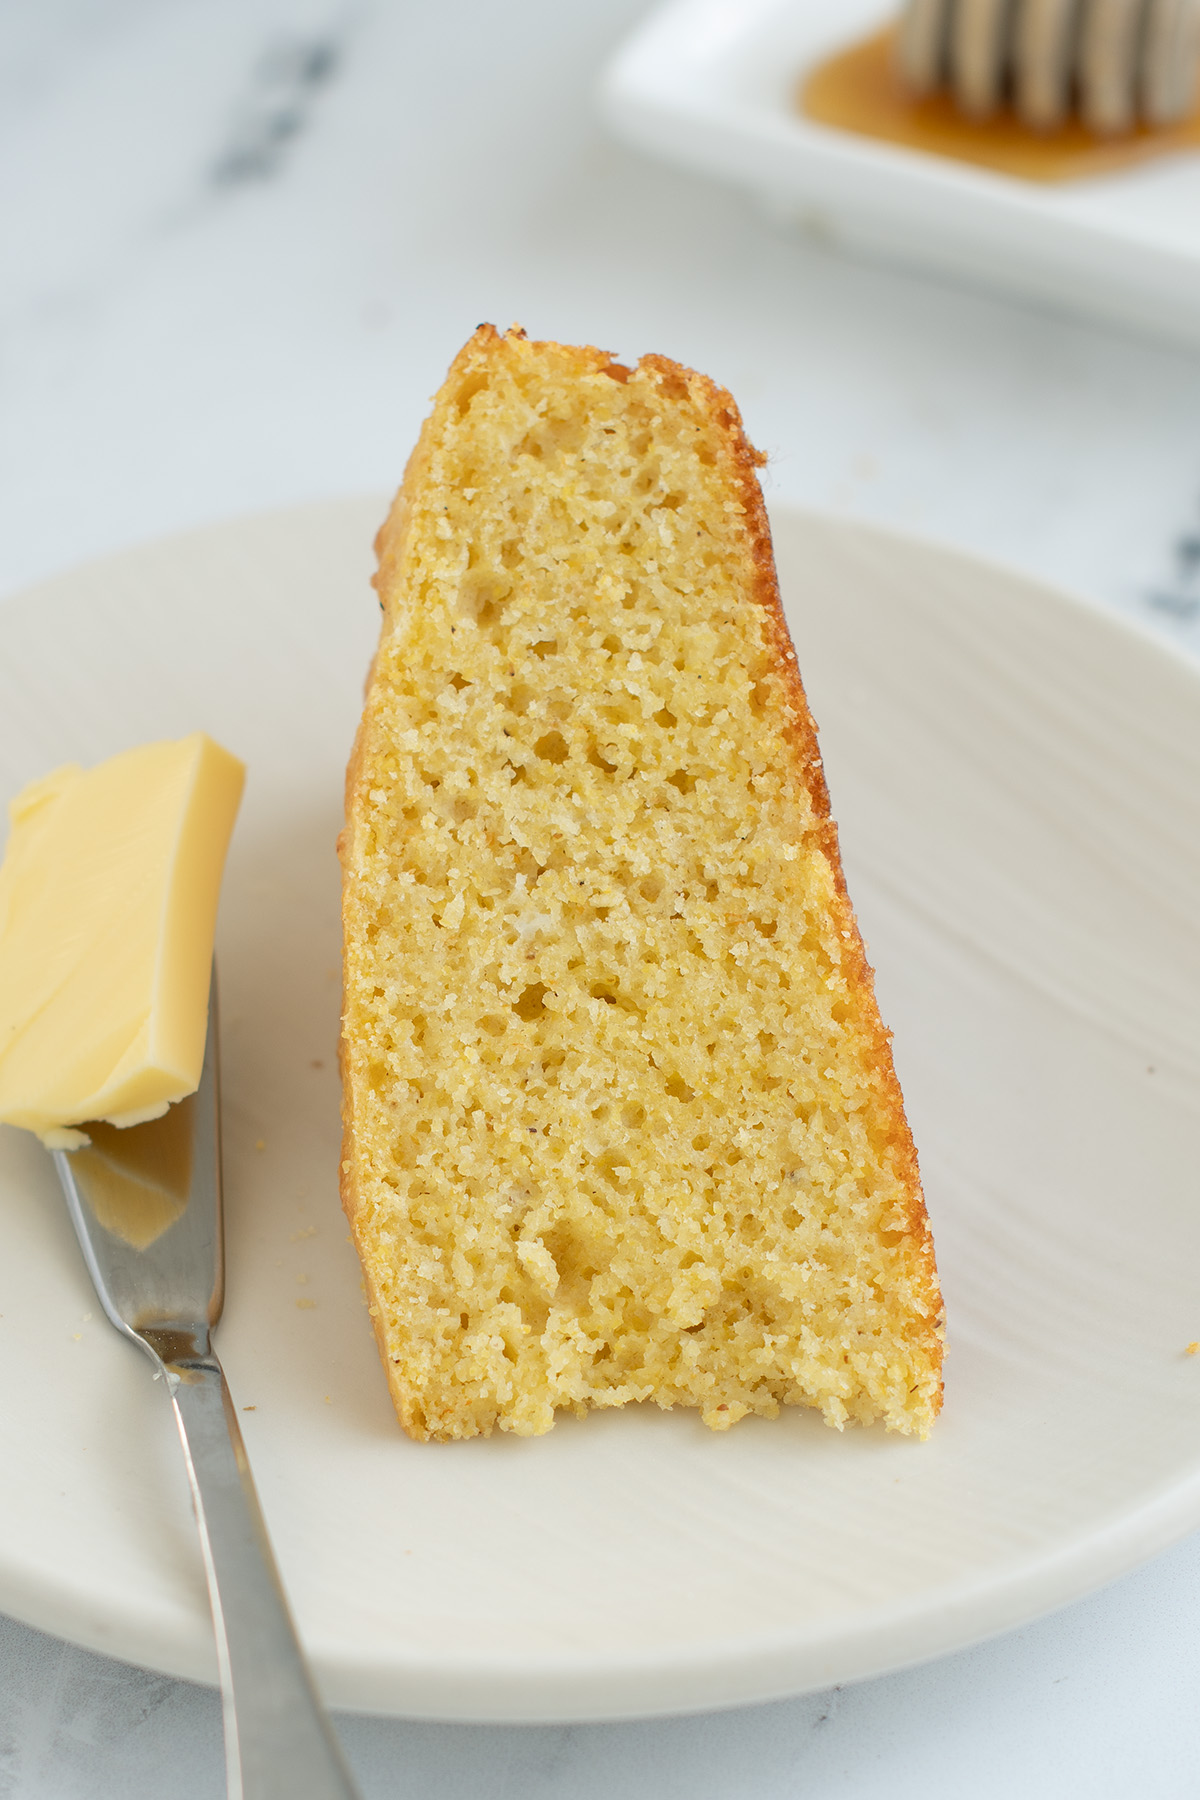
point(1118, 64)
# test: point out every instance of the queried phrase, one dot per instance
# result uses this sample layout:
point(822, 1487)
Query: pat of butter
point(108, 905)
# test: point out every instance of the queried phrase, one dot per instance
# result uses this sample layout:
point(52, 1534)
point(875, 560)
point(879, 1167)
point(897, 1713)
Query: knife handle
point(279, 1743)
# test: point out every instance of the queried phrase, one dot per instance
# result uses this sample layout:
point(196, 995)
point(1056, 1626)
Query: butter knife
point(146, 1206)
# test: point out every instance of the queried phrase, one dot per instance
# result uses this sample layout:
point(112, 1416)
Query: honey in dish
point(860, 89)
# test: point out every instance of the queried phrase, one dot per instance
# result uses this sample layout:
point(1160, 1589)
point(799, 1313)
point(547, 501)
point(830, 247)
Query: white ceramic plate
point(711, 84)
point(1018, 783)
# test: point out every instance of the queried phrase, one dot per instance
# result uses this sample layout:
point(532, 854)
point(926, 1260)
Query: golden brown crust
point(718, 407)
point(745, 460)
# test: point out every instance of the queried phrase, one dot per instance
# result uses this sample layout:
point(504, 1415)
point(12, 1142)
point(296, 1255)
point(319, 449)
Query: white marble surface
point(240, 241)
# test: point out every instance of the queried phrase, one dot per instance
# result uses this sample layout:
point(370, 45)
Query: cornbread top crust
point(621, 1121)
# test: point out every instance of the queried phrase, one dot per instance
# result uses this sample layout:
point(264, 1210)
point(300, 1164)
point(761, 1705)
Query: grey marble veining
point(277, 105)
point(239, 242)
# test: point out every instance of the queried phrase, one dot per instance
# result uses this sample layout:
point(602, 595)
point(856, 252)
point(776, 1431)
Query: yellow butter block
point(108, 905)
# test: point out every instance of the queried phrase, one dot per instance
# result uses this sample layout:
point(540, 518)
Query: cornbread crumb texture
point(621, 1122)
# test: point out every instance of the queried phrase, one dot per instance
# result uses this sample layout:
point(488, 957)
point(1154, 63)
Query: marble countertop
point(242, 239)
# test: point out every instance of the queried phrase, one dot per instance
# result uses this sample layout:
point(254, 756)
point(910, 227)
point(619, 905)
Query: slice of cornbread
point(620, 1116)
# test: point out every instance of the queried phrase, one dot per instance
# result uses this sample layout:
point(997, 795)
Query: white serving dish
point(1017, 780)
point(710, 84)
